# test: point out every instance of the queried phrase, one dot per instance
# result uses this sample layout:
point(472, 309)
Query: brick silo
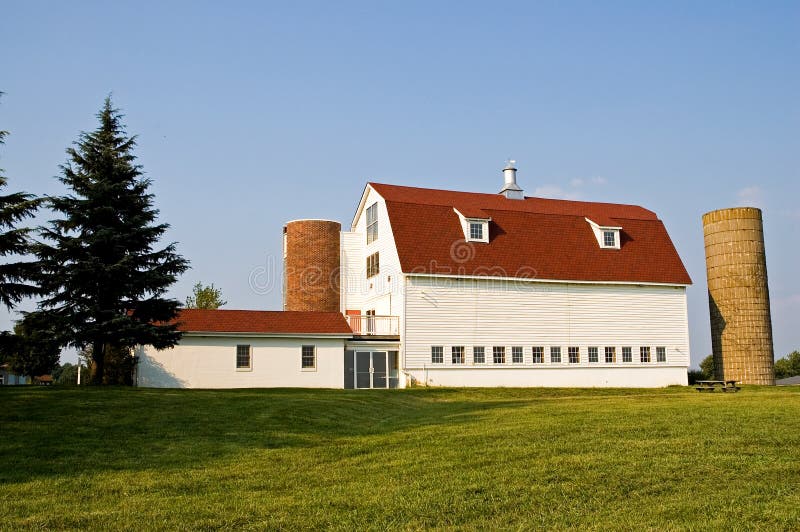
point(738, 295)
point(311, 265)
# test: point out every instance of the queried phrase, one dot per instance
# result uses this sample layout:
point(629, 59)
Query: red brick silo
point(311, 265)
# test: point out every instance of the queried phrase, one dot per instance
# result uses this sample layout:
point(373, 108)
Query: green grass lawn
point(489, 458)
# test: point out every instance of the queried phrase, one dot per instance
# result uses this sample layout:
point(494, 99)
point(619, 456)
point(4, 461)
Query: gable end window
point(243, 358)
point(309, 357)
point(373, 265)
point(372, 223)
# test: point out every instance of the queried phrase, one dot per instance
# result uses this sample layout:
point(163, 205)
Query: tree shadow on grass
point(74, 431)
point(57, 431)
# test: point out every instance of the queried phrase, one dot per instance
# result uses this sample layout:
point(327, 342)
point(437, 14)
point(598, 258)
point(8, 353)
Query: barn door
point(379, 369)
point(372, 370)
point(363, 369)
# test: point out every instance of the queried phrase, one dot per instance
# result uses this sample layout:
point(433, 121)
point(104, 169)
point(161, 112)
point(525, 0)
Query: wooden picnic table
point(710, 386)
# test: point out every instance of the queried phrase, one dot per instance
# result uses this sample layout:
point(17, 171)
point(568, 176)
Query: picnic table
point(710, 386)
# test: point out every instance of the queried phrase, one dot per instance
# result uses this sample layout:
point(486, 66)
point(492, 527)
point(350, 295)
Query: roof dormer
point(474, 224)
point(608, 236)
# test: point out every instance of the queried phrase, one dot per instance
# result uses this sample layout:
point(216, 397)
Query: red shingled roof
point(471, 212)
point(262, 322)
point(535, 237)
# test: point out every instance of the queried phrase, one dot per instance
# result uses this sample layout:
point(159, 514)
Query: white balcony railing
point(367, 325)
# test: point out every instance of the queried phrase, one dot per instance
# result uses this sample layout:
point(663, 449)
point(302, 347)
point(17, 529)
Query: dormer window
point(476, 231)
point(475, 226)
point(607, 235)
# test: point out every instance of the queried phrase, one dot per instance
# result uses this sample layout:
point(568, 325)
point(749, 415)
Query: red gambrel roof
point(262, 322)
point(532, 238)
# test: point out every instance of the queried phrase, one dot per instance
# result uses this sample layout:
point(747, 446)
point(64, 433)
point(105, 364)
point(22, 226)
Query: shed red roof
point(262, 322)
point(534, 238)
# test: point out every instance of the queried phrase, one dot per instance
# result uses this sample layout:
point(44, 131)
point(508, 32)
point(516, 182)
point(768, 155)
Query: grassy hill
point(488, 458)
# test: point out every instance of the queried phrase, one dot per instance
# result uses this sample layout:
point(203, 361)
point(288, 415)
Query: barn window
point(611, 355)
point(437, 354)
point(592, 354)
point(627, 354)
point(457, 354)
point(644, 354)
point(478, 355)
point(661, 354)
point(516, 354)
point(476, 231)
point(243, 358)
point(538, 355)
point(555, 355)
point(499, 354)
point(372, 223)
point(373, 265)
point(308, 357)
point(574, 355)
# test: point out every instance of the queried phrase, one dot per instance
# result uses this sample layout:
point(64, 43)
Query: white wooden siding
point(552, 377)
point(382, 292)
point(210, 362)
point(484, 312)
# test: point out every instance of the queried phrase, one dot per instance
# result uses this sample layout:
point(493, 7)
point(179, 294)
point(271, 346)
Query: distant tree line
point(97, 269)
point(788, 366)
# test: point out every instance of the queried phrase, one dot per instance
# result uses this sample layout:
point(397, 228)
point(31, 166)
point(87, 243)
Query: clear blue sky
point(250, 114)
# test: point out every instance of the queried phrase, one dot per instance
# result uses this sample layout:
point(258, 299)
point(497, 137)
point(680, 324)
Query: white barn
point(445, 288)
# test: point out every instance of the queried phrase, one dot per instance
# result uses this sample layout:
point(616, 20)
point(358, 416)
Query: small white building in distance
point(444, 288)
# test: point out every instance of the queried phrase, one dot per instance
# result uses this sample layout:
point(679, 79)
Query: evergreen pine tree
point(102, 278)
point(14, 276)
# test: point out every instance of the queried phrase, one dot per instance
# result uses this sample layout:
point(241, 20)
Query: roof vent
point(510, 188)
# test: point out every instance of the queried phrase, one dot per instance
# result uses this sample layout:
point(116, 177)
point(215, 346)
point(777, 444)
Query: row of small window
point(537, 354)
point(244, 357)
